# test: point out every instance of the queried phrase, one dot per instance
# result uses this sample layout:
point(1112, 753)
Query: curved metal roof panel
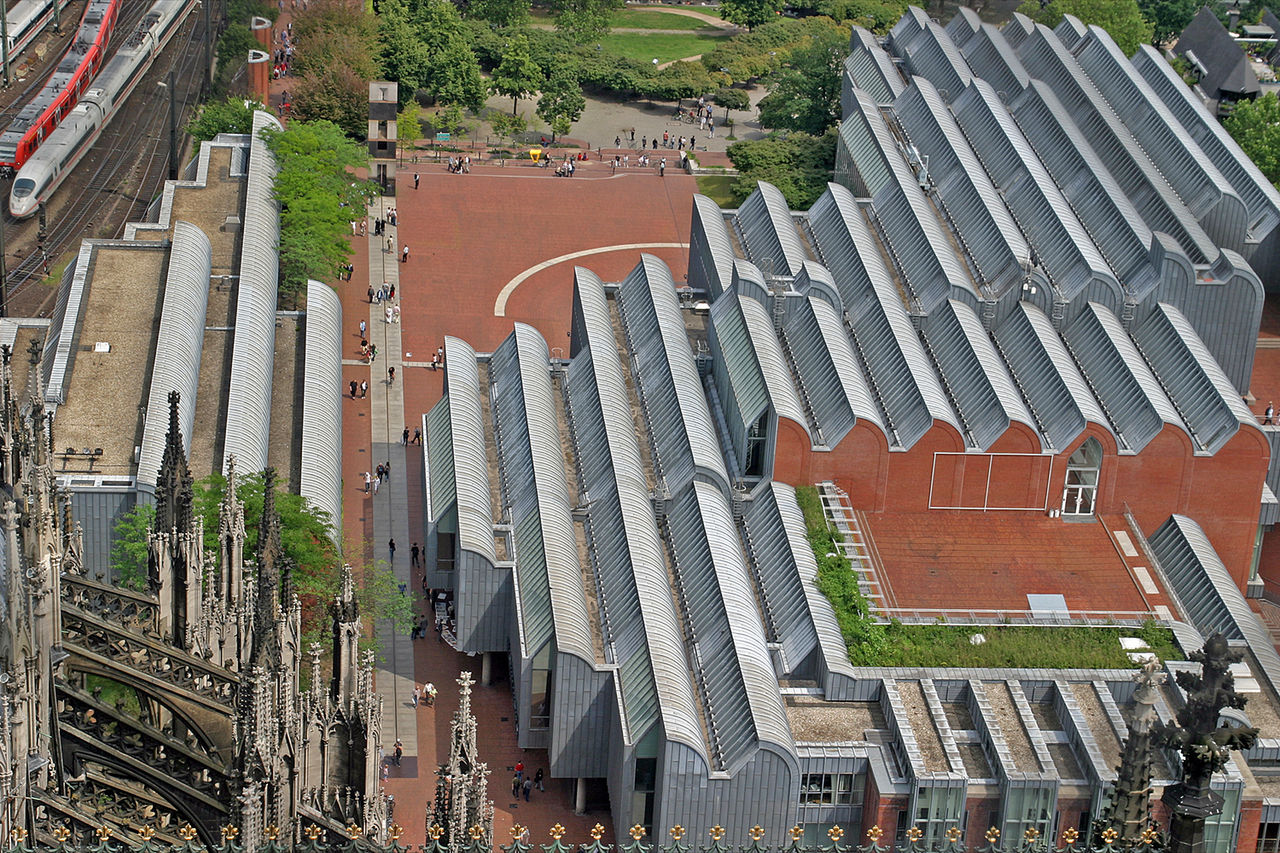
point(913, 22)
point(769, 232)
point(684, 437)
point(708, 222)
point(1193, 175)
point(973, 370)
point(868, 144)
point(1117, 372)
point(321, 460)
point(820, 613)
point(1063, 245)
point(870, 69)
point(773, 364)
point(744, 708)
point(253, 354)
point(849, 248)
point(748, 281)
point(548, 577)
point(988, 53)
point(1122, 235)
point(1056, 393)
point(470, 458)
point(1205, 397)
point(642, 631)
point(847, 367)
point(1047, 58)
point(932, 54)
point(819, 374)
point(179, 343)
point(994, 242)
point(1209, 593)
point(777, 573)
point(64, 333)
point(1258, 193)
point(817, 280)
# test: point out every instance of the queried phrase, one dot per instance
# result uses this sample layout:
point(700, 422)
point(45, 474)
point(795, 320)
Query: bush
point(798, 164)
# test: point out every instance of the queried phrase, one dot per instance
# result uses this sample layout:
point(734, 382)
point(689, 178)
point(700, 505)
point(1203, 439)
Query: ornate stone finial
point(174, 495)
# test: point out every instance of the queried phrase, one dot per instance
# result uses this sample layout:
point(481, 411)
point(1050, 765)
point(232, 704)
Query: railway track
point(117, 181)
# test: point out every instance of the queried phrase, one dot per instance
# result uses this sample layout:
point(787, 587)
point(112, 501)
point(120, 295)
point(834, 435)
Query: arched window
point(1081, 490)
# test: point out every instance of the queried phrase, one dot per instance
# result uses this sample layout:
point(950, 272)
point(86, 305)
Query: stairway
point(854, 544)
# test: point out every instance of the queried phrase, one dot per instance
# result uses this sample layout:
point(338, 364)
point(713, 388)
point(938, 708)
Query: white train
point(25, 21)
point(60, 153)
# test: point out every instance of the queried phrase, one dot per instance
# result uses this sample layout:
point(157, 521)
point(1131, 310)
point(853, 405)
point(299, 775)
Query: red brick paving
point(992, 560)
point(468, 236)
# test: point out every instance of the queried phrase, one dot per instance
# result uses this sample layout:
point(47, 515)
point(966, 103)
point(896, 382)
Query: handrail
point(1064, 618)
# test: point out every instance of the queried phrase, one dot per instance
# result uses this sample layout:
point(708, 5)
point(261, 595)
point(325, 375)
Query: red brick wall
point(1250, 817)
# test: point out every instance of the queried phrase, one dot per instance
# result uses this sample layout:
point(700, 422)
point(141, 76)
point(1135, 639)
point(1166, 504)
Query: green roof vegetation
point(940, 645)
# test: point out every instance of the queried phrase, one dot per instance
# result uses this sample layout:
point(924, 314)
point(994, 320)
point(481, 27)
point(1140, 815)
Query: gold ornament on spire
point(716, 832)
point(677, 832)
point(756, 832)
point(637, 832)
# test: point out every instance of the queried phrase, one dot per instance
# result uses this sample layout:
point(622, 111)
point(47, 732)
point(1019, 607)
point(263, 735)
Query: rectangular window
point(540, 690)
point(827, 789)
point(1268, 838)
point(444, 551)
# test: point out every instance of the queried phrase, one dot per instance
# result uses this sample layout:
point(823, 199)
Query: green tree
point(508, 126)
point(499, 13)
point(1122, 19)
point(1168, 17)
point(562, 101)
point(517, 76)
point(233, 53)
point(1255, 126)
point(402, 54)
point(805, 93)
point(456, 77)
point(749, 13)
point(333, 33)
point(129, 547)
point(584, 20)
point(230, 115)
point(409, 125)
point(317, 191)
point(798, 164)
point(335, 94)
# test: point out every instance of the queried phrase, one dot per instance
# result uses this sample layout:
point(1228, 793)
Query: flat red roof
point(993, 560)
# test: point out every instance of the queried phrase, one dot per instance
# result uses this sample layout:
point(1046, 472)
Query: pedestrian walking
point(404, 437)
point(404, 255)
point(515, 786)
point(431, 693)
point(377, 482)
point(662, 168)
point(528, 786)
point(354, 387)
point(520, 769)
point(391, 244)
point(415, 180)
point(417, 694)
point(388, 312)
point(373, 353)
point(1269, 417)
point(417, 435)
point(364, 386)
point(395, 314)
point(364, 327)
point(386, 469)
point(537, 779)
point(391, 376)
point(386, 771)
point(368, 479)
point(391, 548)
point(371, 294)
point(399, 751)
point(414, 553)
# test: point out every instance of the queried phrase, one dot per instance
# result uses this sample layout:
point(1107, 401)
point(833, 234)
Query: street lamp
point(173, 127)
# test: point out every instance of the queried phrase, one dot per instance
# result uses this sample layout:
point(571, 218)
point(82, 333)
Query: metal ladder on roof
point(851, 542)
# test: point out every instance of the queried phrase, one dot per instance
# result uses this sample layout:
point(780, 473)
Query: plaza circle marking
point(500, 304)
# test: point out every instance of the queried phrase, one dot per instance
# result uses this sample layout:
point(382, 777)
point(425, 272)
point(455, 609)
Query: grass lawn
point(661, 46)
point(652, 19)
point(718, 189)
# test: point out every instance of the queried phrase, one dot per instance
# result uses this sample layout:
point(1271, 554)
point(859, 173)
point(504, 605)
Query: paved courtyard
point(488, 249)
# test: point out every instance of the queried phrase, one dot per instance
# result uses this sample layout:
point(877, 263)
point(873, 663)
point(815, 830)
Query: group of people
point(457, 165)
point(283, 57)
point(525, 784)
point(426, 694)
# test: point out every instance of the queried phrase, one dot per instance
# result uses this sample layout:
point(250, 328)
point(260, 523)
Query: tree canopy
point(335, 59)
point(805, 93)
point(1122, 19)
point(798, 164)
point(499, 13)
point(517, 76)
point(562, 101)
point(1255, 126)
point(233, 114)
point(749, 13)
point(1168, 17)
point(423, 45)
point(584, 20)
point(318, 196)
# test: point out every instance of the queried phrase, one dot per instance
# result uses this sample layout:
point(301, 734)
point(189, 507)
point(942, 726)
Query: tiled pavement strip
point(395, 675)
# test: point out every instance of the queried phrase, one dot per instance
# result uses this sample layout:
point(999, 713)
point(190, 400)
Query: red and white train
point(62, 90)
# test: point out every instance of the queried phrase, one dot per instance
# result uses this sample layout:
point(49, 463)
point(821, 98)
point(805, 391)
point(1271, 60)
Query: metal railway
point(137, 142)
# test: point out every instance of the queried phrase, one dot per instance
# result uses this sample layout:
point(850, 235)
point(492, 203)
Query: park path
point(693, 58)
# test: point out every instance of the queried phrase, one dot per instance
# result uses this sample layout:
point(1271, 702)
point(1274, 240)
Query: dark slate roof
point(1227, 68)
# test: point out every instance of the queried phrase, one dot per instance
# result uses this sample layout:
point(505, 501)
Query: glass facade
point(937, 808)
point(828, 789)
point(1220, 830)
point(540, 688)
point(1032, 807)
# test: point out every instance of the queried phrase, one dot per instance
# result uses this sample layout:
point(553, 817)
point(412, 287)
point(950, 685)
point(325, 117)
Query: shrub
point(733, 99)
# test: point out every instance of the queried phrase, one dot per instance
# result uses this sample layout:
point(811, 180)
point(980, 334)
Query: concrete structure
point(383, 103)
point(1014, 333)
point(205, 269)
